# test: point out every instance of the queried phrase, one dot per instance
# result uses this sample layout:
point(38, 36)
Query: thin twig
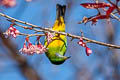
point(63, 33)
point(30, 35)
point(116, 17)
point(25, 27)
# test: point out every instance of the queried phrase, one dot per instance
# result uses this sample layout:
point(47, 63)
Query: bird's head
point(59, 59)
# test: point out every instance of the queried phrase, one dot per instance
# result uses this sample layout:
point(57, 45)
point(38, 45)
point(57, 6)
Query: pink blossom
point(31, 49)
point(12, 31)
point(49, 37)
point(8, 3)
point(39, 49)
point(83, 44)
point(88, 51)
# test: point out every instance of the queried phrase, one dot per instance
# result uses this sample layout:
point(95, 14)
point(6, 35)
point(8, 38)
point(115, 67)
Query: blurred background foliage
point(103, 64)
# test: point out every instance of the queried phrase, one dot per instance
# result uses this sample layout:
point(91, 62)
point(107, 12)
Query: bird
point(56, 49)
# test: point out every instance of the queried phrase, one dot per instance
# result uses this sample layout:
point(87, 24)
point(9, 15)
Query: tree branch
point(23, 34)
point(63, 33)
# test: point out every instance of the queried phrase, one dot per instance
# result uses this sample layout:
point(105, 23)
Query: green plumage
point(57, 48)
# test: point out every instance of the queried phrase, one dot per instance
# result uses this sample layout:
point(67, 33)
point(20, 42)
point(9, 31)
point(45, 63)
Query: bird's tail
point(60, 11)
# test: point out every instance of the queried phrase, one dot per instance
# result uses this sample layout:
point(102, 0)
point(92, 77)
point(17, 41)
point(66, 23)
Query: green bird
point(56, 49)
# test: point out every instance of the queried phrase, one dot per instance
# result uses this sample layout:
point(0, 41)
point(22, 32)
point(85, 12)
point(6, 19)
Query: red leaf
point(95, 5)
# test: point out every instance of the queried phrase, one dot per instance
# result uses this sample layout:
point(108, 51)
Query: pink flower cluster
point(12, 31)
point(49, 37)
point(31, 49)
point(83, 44)
point(8, 3)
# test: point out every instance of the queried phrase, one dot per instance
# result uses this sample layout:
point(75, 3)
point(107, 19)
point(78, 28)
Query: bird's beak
point(66, 57)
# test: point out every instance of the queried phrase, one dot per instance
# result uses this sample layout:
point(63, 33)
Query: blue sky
point(43, 13)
